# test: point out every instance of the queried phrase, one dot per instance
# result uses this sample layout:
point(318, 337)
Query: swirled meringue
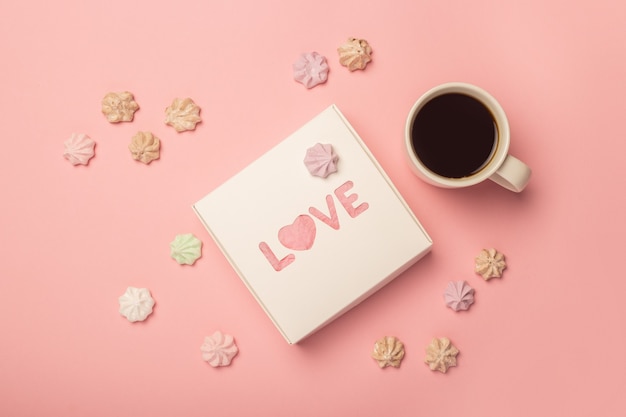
point(79, 149)
point(388, 351)
point(310, 69)
point(119, 107)
point(219, 349)
point(145, 147)
point(490, 264)
point(136, 304)
point(441, 354)
point(186, 249)
point(459, 295)
point(183, 114)
point(355, 54)
point(321, 160)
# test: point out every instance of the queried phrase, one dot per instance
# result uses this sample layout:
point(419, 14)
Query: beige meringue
point(355, 54)
point(145, 147)
point(119, 107)
point(490, 264)
point(441, 354)
point(183, 114)
point(388, 351)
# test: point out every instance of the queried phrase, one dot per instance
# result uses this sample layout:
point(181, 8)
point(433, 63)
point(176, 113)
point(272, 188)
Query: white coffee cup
point(497, 165)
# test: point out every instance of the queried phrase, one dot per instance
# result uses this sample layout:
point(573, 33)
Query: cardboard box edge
point(240, 274)
point(381, 171)
point(368, 293)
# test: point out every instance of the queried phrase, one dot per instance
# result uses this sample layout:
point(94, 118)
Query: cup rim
point(502, 124)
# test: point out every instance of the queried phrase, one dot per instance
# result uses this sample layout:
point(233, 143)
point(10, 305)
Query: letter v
point(333, 220)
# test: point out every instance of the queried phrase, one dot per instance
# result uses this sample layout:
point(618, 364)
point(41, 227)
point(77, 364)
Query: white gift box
point(310, 248)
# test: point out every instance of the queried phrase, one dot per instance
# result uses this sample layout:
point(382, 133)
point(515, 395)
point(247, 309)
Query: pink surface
point(546, 339)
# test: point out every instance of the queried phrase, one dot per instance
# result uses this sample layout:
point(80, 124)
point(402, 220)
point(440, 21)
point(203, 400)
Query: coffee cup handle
point(513, 174)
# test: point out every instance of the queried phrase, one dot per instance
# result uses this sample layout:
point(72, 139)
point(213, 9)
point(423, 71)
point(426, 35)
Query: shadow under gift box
point(310, 248)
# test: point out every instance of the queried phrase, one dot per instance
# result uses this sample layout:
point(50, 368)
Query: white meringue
point(136, 304)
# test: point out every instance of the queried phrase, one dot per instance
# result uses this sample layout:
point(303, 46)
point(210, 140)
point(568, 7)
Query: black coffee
point(454, 135)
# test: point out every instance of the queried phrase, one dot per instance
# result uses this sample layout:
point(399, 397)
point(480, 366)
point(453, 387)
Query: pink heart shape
point(299, 235)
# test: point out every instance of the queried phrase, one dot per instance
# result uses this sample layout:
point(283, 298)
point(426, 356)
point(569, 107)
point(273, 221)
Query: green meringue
point(186, 249)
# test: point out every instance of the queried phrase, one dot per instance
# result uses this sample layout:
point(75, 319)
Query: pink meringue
point(219, 349)
point(459, 295)
point(79, 149)
point(321, 160)
point(310, 69)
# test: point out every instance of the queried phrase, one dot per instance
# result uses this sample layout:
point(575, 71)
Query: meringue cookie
point(459, 295)
point(441, 354)
point(388, 351)
point(219, 349)
point(355, 54)
point(79, 149)
point(183, 114)
point(321, 160)
point(145, 147)
point(310, 69)
point(490, 264)
point(136, 304)
point(186, 249)
point(119, 107)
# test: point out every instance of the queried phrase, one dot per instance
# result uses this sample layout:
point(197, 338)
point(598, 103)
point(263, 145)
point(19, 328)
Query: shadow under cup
point(456, 135)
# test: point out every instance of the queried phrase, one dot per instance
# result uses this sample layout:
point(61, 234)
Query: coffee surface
point(454, 135)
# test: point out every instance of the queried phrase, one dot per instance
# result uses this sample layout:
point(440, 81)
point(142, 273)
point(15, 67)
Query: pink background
point(546, 339)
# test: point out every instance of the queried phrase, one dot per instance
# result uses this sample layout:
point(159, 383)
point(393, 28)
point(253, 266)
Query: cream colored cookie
point(490, 264)
point(182, 114)
point(145, 147)
point(441, 354)
point(388, 351)
point(119, 107)
point(355, 54)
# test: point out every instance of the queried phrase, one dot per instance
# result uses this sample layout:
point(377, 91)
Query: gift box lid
point(310, 248)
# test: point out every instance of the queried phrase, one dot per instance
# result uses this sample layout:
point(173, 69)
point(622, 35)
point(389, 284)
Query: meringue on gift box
point(309, 247)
